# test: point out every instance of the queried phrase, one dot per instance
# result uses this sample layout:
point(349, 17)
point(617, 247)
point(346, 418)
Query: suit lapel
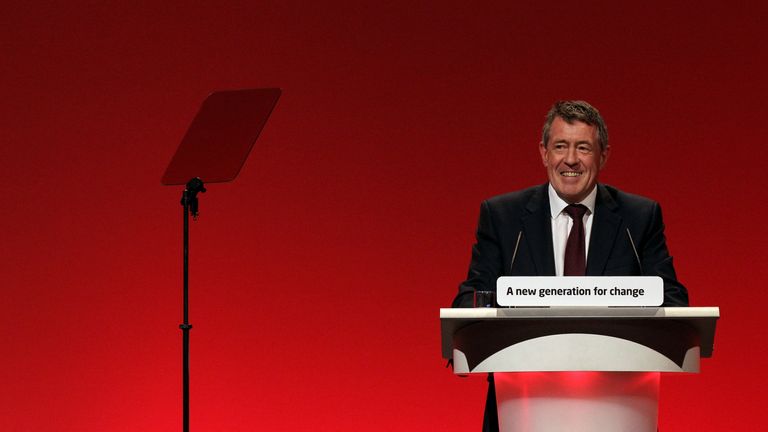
point(537, 231)
point(605, 228)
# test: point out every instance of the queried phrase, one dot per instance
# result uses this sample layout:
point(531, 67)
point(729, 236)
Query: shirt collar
point(557, 204)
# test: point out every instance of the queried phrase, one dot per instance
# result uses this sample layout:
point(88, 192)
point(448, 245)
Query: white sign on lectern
point(635, 291)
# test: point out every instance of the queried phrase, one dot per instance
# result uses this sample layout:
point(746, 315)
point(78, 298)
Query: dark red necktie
point(575, 248)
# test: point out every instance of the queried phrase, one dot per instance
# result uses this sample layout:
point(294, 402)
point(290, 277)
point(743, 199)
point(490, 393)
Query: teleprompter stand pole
point(189, 201)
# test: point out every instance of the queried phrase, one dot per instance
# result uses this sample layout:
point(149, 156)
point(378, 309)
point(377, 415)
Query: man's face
point(573, 159)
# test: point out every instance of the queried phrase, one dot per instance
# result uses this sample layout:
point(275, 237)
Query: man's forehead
point(573, 127)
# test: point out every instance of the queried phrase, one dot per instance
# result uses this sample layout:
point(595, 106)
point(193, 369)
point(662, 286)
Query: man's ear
point(543, 153)
point(604, 156)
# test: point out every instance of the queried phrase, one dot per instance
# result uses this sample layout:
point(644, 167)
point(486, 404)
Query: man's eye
point(584, 148)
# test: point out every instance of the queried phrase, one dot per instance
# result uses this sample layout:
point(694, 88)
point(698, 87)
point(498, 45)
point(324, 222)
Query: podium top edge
point(580, 312)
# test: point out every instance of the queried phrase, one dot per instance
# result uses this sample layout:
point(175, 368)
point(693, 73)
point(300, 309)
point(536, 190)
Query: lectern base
point(577, 401)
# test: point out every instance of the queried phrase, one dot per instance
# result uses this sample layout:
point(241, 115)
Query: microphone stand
point(189, 201)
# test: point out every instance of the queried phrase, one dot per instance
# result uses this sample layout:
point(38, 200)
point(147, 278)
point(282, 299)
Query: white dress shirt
point(562, 223)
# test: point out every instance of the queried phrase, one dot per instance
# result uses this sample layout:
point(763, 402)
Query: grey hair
point(571, 111)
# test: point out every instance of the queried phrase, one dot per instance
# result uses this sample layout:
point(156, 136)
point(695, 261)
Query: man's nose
point(572, 156)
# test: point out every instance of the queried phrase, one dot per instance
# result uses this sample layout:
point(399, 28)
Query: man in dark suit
point(526, 233)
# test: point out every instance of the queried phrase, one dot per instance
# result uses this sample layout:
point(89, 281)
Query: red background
point(317, 275)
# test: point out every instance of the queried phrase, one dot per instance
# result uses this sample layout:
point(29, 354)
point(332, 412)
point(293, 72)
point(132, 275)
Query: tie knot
point(576, 211)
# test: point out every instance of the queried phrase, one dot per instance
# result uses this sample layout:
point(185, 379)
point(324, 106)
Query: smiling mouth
point(570, 173)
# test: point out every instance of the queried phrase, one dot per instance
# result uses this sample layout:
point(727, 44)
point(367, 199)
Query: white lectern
point(577, 368)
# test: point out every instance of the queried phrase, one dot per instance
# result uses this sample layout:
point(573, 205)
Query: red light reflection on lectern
point(579, 384)
point(577, 398)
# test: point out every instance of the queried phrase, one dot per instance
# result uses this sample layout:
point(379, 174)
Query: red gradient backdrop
point(317, 275)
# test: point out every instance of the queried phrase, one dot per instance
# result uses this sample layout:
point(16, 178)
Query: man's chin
point(572, 194)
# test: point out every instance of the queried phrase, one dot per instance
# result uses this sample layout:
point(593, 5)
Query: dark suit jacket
point(503, 218)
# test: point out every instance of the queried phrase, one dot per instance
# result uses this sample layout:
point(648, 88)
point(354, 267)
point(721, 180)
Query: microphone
point(634, 249)
point(514, 254)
